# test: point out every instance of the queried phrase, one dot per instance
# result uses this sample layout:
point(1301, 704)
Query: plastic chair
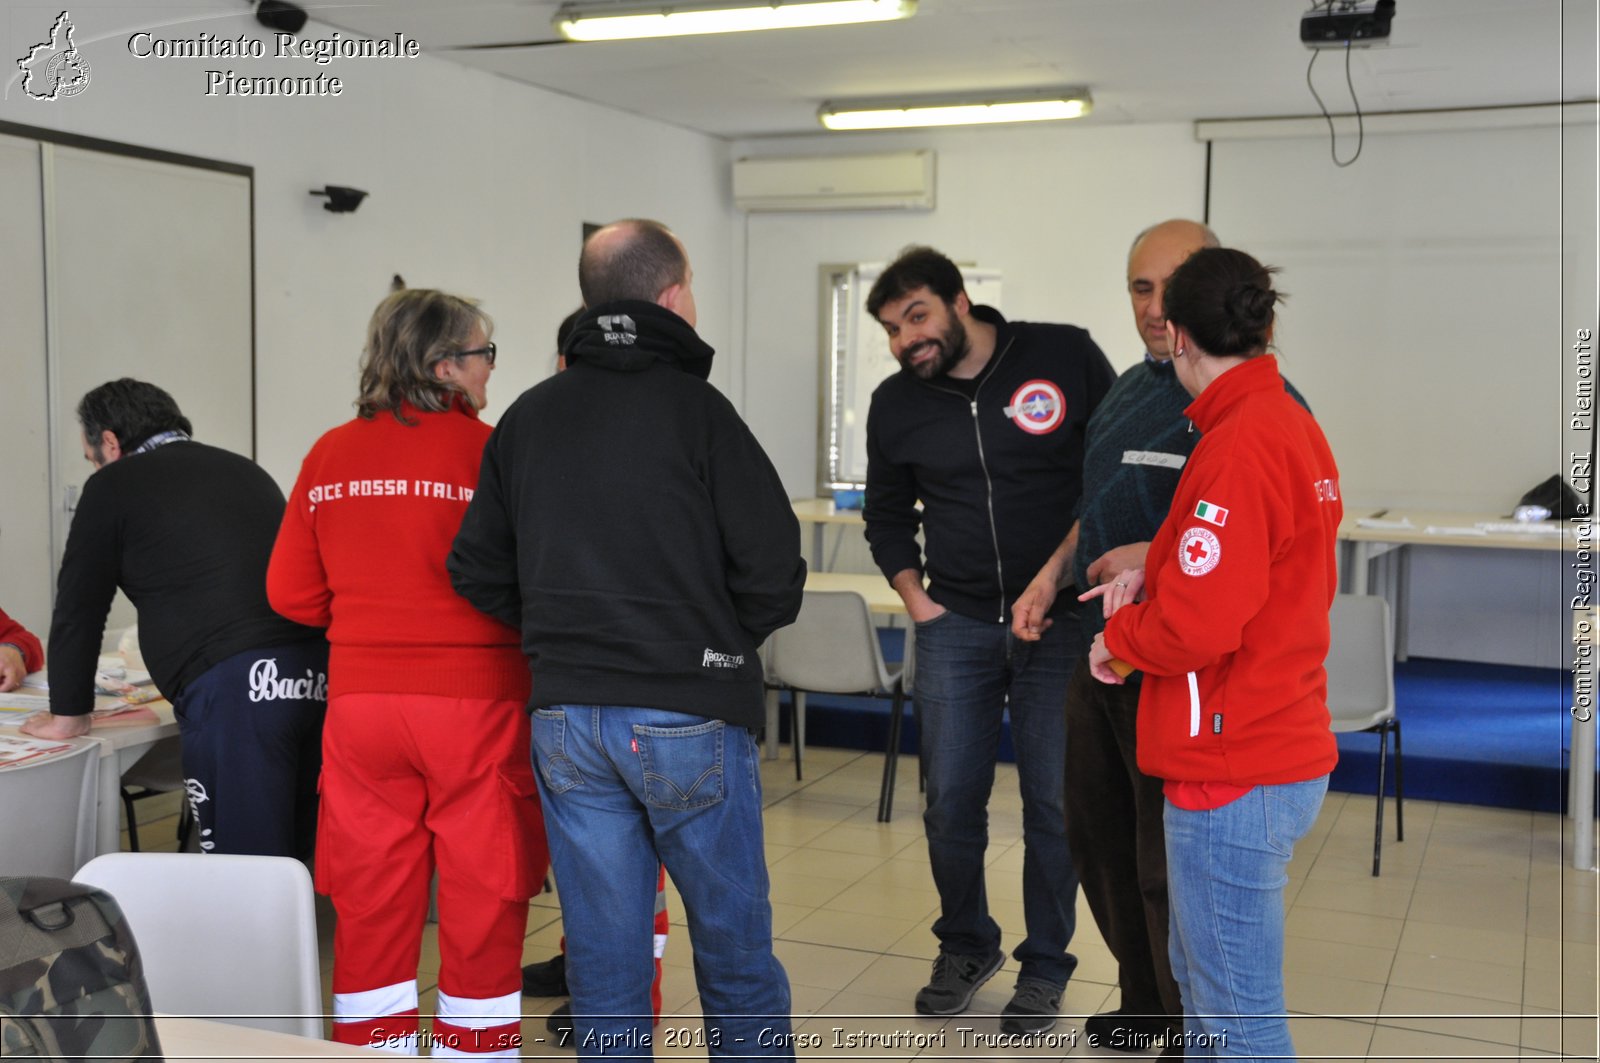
point(49, 812)
point(231, 938)
point(831, 648)
point(159, 771)
point(1361, 693)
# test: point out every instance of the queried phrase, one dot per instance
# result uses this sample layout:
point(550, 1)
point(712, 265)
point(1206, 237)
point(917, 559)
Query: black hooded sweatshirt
point(632, 527)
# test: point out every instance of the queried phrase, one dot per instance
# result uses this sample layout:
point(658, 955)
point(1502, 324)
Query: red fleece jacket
point(1233, 633)
point(362, 548)
point(24, 640)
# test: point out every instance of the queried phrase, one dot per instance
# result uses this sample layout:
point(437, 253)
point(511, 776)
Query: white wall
point(1054, 208)
point(1424, 318)
point(478, 185)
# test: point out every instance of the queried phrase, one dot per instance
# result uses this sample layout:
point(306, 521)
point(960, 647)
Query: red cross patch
point(1198, 551)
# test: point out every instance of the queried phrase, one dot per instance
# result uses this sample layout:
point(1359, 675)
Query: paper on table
point(17, 701)
point(1440, 529)
point(123, 715)
point(39, 680)
point(14, 749)
point(1519, 527)
point(1402, 524)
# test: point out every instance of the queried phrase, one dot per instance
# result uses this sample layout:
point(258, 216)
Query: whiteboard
point(855, 360)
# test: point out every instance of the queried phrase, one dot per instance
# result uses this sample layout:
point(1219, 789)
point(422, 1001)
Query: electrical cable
point(1333, 136)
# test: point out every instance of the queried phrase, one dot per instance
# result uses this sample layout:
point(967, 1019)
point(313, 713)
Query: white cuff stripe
point(480, 1013)
point(376, 1003)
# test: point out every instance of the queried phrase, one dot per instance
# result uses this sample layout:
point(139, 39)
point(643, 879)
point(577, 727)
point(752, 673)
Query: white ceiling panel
point(1144, 60)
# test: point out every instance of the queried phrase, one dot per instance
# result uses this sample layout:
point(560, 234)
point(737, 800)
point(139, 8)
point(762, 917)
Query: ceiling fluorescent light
point(611, 22)
point(1047, 106)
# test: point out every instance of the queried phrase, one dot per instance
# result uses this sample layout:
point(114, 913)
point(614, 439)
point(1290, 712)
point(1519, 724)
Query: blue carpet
point(1479, 734)
point(1472, 733)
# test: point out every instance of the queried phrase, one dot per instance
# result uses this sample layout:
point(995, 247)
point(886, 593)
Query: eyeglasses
point(487, 352)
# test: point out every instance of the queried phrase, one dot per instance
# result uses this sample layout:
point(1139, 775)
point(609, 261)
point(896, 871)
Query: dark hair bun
point(1224, 299)
point(1250, 304)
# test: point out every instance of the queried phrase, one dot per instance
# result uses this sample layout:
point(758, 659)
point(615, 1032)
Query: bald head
point(631, 259)
point(1156, 252)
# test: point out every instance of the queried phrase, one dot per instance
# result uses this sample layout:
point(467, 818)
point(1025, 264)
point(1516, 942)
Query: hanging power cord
point(1333, 136)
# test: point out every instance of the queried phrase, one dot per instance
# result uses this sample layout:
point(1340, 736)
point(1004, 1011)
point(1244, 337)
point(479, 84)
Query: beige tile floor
point(1477, 942)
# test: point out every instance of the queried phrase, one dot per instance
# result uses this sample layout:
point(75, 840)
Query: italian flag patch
point(1211, 513)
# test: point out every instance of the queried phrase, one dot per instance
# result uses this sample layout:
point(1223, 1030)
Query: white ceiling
point(1144, 60)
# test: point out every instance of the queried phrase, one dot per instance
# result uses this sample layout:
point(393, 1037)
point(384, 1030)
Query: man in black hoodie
point(631, 525)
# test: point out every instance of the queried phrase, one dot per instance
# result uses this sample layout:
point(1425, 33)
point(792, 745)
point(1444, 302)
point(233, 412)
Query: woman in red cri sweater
point(1229, 623)
point(425, 751)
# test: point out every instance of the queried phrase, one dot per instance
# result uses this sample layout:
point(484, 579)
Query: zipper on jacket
point(994, 532)
point(988, 483)
point(1194, 706)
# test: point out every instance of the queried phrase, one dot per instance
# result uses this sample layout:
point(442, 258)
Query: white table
point(819, 513)
point(882, 599)
point(1361, 546)
point(124, 745)
point(1365, 545)
point(120, 746)
point(208, 1040)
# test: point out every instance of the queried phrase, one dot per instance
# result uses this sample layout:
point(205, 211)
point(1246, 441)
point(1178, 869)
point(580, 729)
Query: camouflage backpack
point(71, 983)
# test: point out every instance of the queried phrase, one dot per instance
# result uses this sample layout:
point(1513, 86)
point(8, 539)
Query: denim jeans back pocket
point(1290, 810)
point(682, 765)
point(550, 751)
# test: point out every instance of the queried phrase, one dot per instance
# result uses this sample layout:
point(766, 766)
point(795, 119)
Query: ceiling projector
point(1347, 24)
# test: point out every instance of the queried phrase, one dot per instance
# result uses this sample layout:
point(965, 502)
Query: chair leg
point(133, 824)
point(772, 723)
point(185, 824)
point(1399, 787)
point(1377, 822)
point(799, 731)
point(891, 755)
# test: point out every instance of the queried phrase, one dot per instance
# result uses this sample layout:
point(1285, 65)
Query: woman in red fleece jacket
point(20, 652)
point(425, 751)
point(1231, 635)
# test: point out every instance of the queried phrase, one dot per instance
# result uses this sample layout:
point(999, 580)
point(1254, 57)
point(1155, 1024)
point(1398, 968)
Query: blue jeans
point(626, 789)
point(969, 673)
point(1226, 869)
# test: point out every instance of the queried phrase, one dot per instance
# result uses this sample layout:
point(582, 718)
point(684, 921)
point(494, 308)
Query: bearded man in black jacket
point(984, 426)
point(630, 524)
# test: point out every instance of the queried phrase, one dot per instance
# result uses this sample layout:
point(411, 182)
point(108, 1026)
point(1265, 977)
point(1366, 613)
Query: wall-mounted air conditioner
point(901, 180)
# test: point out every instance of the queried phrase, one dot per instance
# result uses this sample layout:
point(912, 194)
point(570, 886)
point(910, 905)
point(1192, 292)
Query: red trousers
point(413, 783)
